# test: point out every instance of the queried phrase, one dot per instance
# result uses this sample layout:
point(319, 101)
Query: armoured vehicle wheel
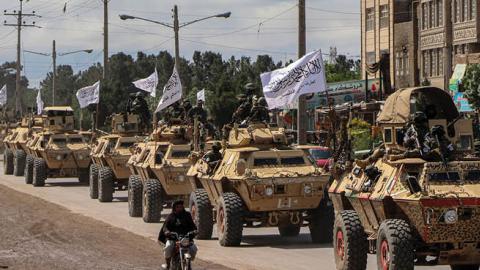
point(230, 220)
point(152, 201)
point(83, 176)
point(465, 267)
point(395, 249)
point(93, 181)
point(105, 185)
point(135, 196)
point(202, 213)
point(8, 162)
point(28, 169)
point(349, 242)
point(39, 172)
point(289, 230)
point(19, 163)
point(321, 222)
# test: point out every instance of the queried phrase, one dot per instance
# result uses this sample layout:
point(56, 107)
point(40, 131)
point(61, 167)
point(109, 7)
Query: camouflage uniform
point(213, 157)
point(259, 112)
point(140, 107)
point(198, 112)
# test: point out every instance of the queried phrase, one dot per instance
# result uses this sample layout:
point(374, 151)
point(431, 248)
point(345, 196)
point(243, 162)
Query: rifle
point(417, 141)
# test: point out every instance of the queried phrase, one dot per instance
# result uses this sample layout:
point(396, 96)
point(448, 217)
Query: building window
point(370, 19)
point(433, 57)
point(424, 16)
point(473, 9)
point(439, 13)
point(426, 63)
point(406, 64)
point(384, 16)
point(371, 58)
point(465, 10)
point(457, 11)
point(440, 62)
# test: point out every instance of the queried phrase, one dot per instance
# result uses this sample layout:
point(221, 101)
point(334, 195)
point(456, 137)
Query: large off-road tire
point(39, 172)
point(465, 267)
point(395, 245)
point(19, 163)
point(152, 201)
point(105, 184)
point(8, 162)
point(230, 211)
point(350, 244)
point(202, 213)
point(289, 230)
point(321, 221)
point(135, 188)
point(28, 169)
point(93, 181)
point(83, 176)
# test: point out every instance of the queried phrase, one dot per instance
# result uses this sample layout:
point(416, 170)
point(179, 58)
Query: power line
point(334, 11)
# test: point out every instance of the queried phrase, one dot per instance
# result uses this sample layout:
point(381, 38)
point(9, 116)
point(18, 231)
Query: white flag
point(201, 95)
point(148, 84)
point(39, 103)
point(3, 95)
point(283, 86)
point(172, 92)
point(89, 95)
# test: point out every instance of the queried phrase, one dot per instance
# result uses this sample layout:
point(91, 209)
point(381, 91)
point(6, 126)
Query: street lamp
point(54, 58)
point(176, 26)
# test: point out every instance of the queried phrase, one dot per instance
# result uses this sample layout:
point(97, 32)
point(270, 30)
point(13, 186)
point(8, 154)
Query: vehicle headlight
point(269, 191)
point(59, 157)
point(181, 178)
point(307, 189)
point(450, 216)
point(185, 242)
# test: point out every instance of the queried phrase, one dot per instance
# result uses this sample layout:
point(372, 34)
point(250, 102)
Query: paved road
point(260, 249)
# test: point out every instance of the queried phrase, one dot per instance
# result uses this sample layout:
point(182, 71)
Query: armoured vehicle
point(158, 168)
point(110, 154)
point(259, 181)
point(16, 144)
point(58, 150)
point(411, 205)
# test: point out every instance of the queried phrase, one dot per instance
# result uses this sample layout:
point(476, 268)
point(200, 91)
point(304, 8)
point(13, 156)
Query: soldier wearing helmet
point(246, 104)
point(198, 112)
point(259, 112)
point(140, 107)
point(213, 157)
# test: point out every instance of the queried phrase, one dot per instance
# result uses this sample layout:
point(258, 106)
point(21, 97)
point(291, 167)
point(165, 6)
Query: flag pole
point(98, 110)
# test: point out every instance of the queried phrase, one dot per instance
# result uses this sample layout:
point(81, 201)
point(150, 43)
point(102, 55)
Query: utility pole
point(54, 58)
point(105, 38)
point(302, 102)
point(20, 23)
point(176, 28)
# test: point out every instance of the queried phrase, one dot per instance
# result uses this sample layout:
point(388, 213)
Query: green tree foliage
point(343, 70)
point(223, 80)
point(471, 84)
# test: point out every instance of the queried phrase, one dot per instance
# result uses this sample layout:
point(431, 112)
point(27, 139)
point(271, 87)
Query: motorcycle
point(182, 259)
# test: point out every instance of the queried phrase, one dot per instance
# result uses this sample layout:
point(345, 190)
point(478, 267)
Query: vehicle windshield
point(75, 140)
point(126, 144)
point(320, 153)
point(180, 154)
point(59, 141)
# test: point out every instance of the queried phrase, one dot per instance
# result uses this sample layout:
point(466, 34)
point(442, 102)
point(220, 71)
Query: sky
point(255, 27)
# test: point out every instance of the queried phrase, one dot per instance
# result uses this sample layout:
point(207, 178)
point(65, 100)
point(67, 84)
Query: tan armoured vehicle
point(58, 150)
point(110, 154)
point(16, 144)
point(415, 205)
point(158, 168)
point(260, 181)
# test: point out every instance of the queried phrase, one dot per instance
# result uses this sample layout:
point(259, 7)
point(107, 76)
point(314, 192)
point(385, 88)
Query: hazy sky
point(255, 27)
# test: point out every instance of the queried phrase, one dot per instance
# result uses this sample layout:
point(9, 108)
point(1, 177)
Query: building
point(389, 28)
point(425, 39)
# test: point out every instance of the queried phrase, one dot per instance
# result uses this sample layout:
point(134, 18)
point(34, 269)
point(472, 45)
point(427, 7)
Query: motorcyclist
point(181, 222)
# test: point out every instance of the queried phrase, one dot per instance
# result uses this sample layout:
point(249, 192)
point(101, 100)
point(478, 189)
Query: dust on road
point(36, 234)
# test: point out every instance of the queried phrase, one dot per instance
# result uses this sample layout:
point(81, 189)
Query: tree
point(471, 84)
